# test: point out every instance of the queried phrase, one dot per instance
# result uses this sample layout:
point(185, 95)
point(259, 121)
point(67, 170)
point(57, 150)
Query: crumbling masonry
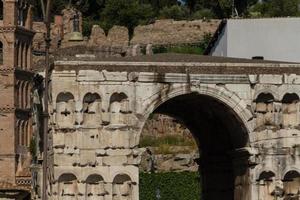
point(244, 115)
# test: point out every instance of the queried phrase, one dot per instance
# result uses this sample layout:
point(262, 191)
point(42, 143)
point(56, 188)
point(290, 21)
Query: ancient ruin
point(17, 84)
point(243, 114)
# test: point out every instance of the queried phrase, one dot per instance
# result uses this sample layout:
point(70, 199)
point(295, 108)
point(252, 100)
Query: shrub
point(203, 13)
point(172, 186)
point(174, 12)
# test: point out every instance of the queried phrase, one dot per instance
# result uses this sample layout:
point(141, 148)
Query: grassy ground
point(166, 144)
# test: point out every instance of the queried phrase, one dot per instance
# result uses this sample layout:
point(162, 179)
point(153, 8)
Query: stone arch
point(65, 108)
point(95, 187)
point(270, 90)
point(266, 175)
point(92, 109)
point(122, 187)
point(291, 174)
point(223, 95)
point(209, 112)
point(118, 108)
point(290, 110)
point(67, 186)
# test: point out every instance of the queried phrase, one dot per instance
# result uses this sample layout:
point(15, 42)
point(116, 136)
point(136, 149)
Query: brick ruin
point(17, 83)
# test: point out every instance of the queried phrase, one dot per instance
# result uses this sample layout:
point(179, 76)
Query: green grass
point(172, 140)
point(166, 144)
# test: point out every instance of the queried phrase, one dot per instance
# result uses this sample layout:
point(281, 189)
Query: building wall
point(16, 82)
point(221, 45)
point(100, 134)
point(274, 39)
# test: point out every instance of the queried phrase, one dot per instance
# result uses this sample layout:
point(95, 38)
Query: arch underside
point(219, 134)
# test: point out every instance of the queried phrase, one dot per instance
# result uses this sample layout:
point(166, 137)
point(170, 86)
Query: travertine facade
point(16, 85)
point(244, 115)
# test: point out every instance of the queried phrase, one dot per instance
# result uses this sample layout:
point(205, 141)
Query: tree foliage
point(171, 186)
point(127, 13)
point(131, 13)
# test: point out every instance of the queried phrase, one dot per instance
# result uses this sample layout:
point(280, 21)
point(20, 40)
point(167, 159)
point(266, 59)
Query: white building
point(271, 38)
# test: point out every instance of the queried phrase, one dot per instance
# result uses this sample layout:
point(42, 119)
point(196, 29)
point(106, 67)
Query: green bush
point(172, 186)
point(174, 12)
point(203, 13)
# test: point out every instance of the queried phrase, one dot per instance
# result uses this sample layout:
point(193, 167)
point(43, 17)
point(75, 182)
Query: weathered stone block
point(114, 160)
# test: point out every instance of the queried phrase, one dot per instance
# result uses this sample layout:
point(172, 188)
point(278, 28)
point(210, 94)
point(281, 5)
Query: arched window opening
point(1, 52)
point(25, 57)
point(291, 182)
point(65, 108)
point(67, 186)
point(18, 127)
point(91, 110)
point(25, 95)
point(264, 110)
point(122, 187)
point(119, 108)
point(22, 56)
point(95, 187)
point(21, 94)
point(19, 49)
point(266, 185)
point(24, 133)
point(266, 176)
point(290, 110)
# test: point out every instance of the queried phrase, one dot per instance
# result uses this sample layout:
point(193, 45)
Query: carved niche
point(91, 110)
point(119, 109)
point(65, 108)
point(122, 187)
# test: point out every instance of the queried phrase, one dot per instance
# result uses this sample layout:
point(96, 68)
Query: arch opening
point(220, 136)
point(68, 186)
point(122, 187)
point(290, 109)
point(95, 186)
point(91, 109)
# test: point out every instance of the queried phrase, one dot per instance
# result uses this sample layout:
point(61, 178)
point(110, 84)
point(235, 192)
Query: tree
point(283, 8)
point(127, 13)
point(174, 12)
point(276, 8)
